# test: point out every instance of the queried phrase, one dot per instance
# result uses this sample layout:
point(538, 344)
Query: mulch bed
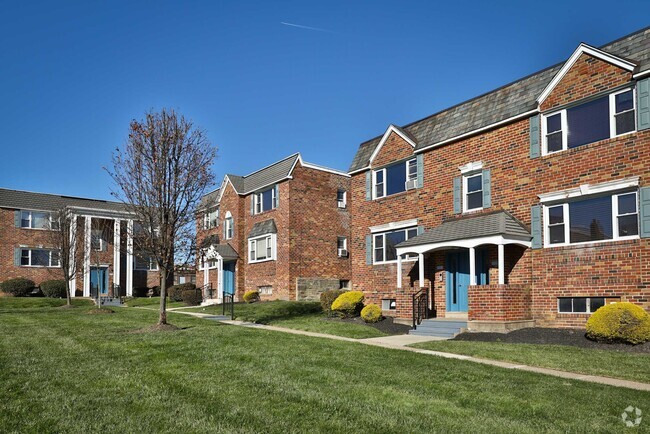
point(539, 335)
point(386, 325)
point(98, 311)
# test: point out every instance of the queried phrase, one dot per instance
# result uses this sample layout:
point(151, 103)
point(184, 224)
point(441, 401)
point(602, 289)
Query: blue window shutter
point(420, 230)
point(369, 185)
point(535, 150)
point(536, 226)
point(643, 104)
point(487, 189)
point(17, 255)
point(420, 168)
point(457, 196)
point(644, 208)
point(369, 249)
point(277, 195)
point(17, 218)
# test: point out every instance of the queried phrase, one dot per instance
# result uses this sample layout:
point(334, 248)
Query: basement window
point(388, 304)
point(579, 304)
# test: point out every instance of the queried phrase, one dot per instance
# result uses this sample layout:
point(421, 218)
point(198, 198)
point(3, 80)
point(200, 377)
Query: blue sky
point(73, 74)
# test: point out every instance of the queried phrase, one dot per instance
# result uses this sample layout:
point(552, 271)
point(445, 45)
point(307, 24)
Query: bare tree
point(62, 236)
point(161, 174)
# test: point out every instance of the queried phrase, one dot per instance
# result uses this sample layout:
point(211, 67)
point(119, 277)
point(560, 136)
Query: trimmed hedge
point(251, 296)
point(349, 304)
point(328, 297)
point(175, 292)
point(18, 287)
point(371, 313)
point(619, 322)
point(192, 297)
point(54, 288)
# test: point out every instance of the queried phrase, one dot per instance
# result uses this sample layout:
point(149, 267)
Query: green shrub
point(371, 313)
point(140, 291)
point(175, 292)
point(18, 287)
point(348, 304)
point(192, 297)
point(619, 322)
point(154, 291)
point(251, 296)
point(54, 288)
point(328, 297)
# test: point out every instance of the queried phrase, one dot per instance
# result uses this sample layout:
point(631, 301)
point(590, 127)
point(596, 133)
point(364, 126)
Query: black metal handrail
point(228, 304)
point(420, 307)
point(206, 291)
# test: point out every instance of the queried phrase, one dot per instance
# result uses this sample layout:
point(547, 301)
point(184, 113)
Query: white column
point(129, 258)
point(116, 253)
point(502, 272)
point(421, 269)
point(73, 254)
point(472, 266)
point(220, 280)
point(87, 251)
point(399, 271)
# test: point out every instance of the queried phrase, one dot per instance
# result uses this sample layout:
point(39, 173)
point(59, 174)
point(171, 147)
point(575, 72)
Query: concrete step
point(439, 327)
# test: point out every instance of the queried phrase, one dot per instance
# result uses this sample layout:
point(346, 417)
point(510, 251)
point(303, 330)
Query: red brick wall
point(499, 303)
point(395, 148)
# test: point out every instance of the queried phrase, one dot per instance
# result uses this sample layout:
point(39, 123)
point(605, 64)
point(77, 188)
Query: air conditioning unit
point(411, 184)
point(341, 204)
point(343, 253)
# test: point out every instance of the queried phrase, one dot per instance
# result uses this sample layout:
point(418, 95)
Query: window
point(210, 263)
point(344, 284)
point(211, 219)
point(97, 241)
point(473, 192)
point(594, 219)
point(37, 220)
point(384, 244)
point(388, 304)
point(394, 178)
point(265, 290)
point(228, 232)
point(579, 304)
point(39, 258)
point(265, 200)
point(598, 119)
point(144, 263)
point(342, 247)
point(261, 248)
point(341, 198)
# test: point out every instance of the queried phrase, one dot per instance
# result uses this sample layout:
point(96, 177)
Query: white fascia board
point(393, 225)
point(641, 74)
point(391, 129)
point(323, 169)
point(591, 51)
point(224, 183)
point(587, 189)
point(363, 169)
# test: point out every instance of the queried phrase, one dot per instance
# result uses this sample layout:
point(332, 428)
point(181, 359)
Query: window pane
point(267, 200)
point(392, 239)
point(554, 123)
point(268, 247)
point(24, 257)
point(413, 169)
point(624, 101)
point(556, 234)
point(410, 233)
point(556, 215)
point(340, 195)
point(628, 225)
point(588, 122)
point(591, 219)
point(565, 304)
point(54, 258)
point(554, 142)
point(395, 178)
point(24, 219)
point(475, 200)
point(625, 122)
point(595, 303)
point(40, 257)
point(379, 248)
point(474, 183)
point(627, 203)
point(40, 220)
point(580, 304)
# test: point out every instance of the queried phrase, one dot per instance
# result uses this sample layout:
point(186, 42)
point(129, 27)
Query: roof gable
point(390, 130)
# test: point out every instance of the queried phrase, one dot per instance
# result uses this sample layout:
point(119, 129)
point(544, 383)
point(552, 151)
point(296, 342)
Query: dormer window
point(395, 178)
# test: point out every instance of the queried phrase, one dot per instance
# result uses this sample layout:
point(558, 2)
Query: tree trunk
point(163, 298)
point(67, 292)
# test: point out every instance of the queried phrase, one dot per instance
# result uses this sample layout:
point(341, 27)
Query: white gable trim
point(591, 51)
point(391, 129)
point(222, 189)
point(317, 167)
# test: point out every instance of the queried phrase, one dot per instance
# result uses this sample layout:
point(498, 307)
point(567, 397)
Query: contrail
point(305, 27)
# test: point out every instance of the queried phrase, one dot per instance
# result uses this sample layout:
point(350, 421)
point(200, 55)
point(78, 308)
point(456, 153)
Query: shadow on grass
point(269, 311)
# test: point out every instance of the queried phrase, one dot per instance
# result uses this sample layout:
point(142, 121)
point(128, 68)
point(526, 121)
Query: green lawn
point(9, 304)
point(630, 366)
point(65, 371)
point(153, 302)
point(297, 315)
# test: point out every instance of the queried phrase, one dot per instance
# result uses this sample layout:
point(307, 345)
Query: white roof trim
point(394, 225)
point(466, 243)
point(224, 183)
point(321, 168)
point(591, 51)
point(363, 169)
point(391, 129)
point(588, 189)
point(641, 74)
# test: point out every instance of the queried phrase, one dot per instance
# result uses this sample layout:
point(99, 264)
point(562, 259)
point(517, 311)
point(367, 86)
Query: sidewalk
point(400, 342)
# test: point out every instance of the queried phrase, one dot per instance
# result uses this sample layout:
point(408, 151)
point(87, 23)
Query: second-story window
point(395, 178)
point(473, 191)
point(37, 220)
point(341, 198)
point(265, 200)
point(228, 227)
point(342, 247)
point(211, 219)
point(97, 241)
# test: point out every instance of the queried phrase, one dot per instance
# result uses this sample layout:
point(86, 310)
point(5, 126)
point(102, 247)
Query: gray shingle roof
point(209, 200)
point(209, 241)
point(51, 202)
point(263, 228)
point(226, 251)
point(263, 177)
point(483, 225)
point(505, 102)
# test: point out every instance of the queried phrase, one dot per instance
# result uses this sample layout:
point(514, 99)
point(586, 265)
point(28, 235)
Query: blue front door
point(458, 277)
point(98, 281)
point(229, 278)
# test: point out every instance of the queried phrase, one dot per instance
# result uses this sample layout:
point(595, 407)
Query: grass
point(64, 371)
point(629, 366)
point(153, 302)
point(299, 315)
point(10, 304)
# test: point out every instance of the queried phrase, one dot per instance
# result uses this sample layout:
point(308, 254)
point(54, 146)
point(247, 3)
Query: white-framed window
point(395, 178)
point(384, 244)
point(39, 258)
point(143, 262)
point(579, 304)
point(344, 284)
point(341, 198)
point(342, 247)
point(97, 241)
point(597, 119)
point(262, 248)
point(211, 218)
point(210, 263)
point(38, 220)
point(265, 290)
point(388, 304)
point(265, 200)
point(228, 226)
point(593, 219)
point(473, 191)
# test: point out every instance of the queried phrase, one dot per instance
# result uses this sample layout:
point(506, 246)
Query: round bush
point(18, 287)
point(192, 297)
point(371, 313)
point(349, 303)
point(619, 322)
point(251, 296)
point(175, 292)
point(328, 297)
point(54, 288)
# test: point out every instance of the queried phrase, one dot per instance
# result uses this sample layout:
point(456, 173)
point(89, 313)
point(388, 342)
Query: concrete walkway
point(400, 342)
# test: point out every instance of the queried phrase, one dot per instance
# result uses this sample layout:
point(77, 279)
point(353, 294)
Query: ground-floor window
point(265, 290)
point(388, 304)
point(344, 284)
point(579, 304)
point(39, 258)
point(384, 244)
